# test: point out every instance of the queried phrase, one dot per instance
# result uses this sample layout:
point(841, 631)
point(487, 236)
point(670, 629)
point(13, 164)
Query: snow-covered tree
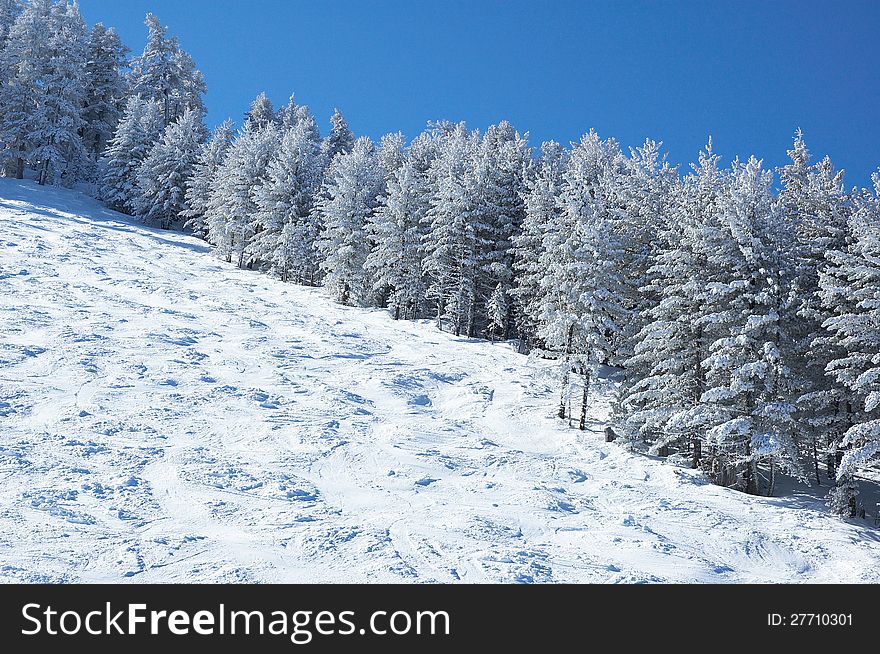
point(166, 73)
point(391, 153)
point(285, 204)
point(9, 11)
point(261, 112)
point(498, 185)
point(748, 404)
point(138, 130)
point(583, 289)
point(351, 187)
point(25, 62)
point(498, 311)
point(451, 239)
point(201, 184)
point(397, 230)
point(340, 140)
point(287, 115)
point(541, 211)
point(58, 150)
point(232, 210)
point(648, 197)
point(105, 88)
point(164, 176)
point(850, 289)
point(664, 372)
point(813, 204)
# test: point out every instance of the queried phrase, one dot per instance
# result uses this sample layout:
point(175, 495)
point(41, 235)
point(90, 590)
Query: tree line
point(739, 306)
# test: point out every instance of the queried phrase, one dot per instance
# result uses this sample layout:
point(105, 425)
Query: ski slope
point(166, 417)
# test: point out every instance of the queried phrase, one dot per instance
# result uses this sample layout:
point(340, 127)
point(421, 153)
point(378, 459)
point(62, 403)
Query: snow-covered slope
point(167, 417)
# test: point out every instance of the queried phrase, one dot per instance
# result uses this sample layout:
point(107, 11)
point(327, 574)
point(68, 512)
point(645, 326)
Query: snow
point(168, 417)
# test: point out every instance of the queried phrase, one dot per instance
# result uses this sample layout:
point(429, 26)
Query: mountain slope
point(167, 417)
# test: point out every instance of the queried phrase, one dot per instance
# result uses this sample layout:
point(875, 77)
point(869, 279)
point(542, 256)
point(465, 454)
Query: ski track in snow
point(167, 417)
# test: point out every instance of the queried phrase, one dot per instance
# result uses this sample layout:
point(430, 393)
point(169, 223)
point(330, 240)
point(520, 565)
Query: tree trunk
point(697, 453)
point(587, 380)
point(772, 486)
point(816, 462)
point(749, 476)
point(565, 372)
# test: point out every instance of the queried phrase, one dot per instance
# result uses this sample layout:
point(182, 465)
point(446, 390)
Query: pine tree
point(665, 369)
point(167, 74)
point(26, 62)
point(391, 154)
point(748, 403)
point(498, 175)
point(352, 185)
point(58, 149)
point(850, 288)
point(648, 197)
point(232, 209)
point(541, 210)
point(105, 89)
point(584, 285)
point(498, 311)
point(198, 192)
point(451, 239)
point(9, 12)
point(285, 204)
point(261, 113)
point(397, 229)
point(139, 129)
point(340, 140)
point(814, 205)
point(164, 176)
point(287, 115)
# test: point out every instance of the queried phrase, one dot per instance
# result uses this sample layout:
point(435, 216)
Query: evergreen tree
point(498, 177)
point(139, 129)
point(167, 74)
point(665, 369)
point(397, 229)
point(285, 204)
point(451, 237)
point(261, 113)
point(813, 204)
point(232, 208)
point(9, 12)
point(58, 150)
point(25, 62)
point(850, 288)
point(351, 186)
point(498, 311)
point(583, 288)
point(340, 140)
point(204, 173)
point(287, 115)
point(747, 406)
point(164, 176)
point(391, 154)
point(541, 211)
point(105, 88)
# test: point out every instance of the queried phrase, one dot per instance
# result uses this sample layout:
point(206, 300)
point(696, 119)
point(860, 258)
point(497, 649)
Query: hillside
point(168, 417)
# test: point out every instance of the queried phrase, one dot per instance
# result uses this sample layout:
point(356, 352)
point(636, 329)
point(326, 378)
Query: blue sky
point(747, 72)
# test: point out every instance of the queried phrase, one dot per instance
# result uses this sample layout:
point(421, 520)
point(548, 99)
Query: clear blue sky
point(747, 72)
